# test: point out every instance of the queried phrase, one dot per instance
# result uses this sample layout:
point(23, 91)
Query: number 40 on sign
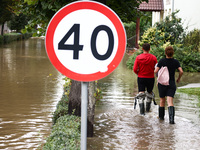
point(85, 41)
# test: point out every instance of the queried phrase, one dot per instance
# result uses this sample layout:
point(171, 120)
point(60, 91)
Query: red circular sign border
point(77, 6)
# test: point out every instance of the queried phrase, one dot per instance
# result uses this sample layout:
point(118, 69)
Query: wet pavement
point(119, 126)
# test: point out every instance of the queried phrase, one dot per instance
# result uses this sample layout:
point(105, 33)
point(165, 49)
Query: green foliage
point(130, 29)
point(98, 92)
point(18, 22)
point(7, 38)
point(65, 134)
point(61, 108)
point(1, 39)
point(131, 60)
point(5, 10)
point(169, 30)
point(41, 11)
point(145, 23)
point(193, 39)
point(189, 60)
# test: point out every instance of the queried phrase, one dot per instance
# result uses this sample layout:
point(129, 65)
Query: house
point(188, 11)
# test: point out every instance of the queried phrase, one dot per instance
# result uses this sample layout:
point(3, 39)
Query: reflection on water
point(29, 90)
point(118, 126)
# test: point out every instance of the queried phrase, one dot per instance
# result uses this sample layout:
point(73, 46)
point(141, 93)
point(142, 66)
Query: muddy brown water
point(119, 126)
point(30, 88)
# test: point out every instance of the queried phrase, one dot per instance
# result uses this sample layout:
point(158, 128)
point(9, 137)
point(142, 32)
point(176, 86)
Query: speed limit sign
point(85, 41)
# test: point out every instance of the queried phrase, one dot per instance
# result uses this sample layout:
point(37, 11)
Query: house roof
point(152, 5)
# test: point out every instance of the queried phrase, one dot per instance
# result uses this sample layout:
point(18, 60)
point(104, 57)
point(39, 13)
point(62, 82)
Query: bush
point(169, 30)
point(193, 39)
point(131, 60)
point(7, 38)
point(189, 60)
point(13, 37)
point(1, 39)
point(61, 108)
point(65, 134)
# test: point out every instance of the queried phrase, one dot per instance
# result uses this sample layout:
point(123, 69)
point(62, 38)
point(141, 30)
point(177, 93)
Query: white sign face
point(86, 62)
point(85, 41)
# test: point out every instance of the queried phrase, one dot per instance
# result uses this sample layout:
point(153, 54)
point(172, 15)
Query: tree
point(6, 12)
point(18, 22)
point(41, 11)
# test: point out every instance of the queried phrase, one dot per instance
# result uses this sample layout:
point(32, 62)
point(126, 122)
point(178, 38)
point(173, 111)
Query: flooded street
point(119, 126)
point(30, 88)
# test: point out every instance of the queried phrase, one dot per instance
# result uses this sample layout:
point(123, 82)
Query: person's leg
point(149, 95)
point(171, 109)
point(161, 109)
point(141, 95)
point(162, 93)
point(170, 101)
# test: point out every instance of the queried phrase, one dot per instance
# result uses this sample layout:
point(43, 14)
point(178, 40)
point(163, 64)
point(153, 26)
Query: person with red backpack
point(168, 90)
point(144, 66)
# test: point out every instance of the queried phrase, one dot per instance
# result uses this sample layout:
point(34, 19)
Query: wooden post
point(137, 32)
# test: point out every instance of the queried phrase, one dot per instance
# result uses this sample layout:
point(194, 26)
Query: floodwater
point(30, 88)
point(119, 126)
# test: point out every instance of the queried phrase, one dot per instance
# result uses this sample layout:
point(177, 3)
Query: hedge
point(7, 38)
point(66, 132)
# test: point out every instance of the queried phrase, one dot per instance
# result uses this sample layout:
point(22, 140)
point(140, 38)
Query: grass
point(190, 91)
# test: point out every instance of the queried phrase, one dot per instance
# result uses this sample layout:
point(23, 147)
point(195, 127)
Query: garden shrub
point(61, 108)
point(65, 134)
point(1, 39)
point(7, 38)
point(169, 30)
point(193, 39)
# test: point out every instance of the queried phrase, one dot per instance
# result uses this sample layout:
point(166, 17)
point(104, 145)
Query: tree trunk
point(137, 33)
point(2, 28)
point(91, 109)
point(74, 106)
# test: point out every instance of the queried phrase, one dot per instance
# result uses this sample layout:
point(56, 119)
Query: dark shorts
point(169, 90)
point(145, 84)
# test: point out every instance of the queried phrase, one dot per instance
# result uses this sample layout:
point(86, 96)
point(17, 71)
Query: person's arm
point(156, 70)
point(180, 74)
point(135, 67)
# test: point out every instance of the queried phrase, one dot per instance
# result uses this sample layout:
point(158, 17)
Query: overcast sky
point(189, 12)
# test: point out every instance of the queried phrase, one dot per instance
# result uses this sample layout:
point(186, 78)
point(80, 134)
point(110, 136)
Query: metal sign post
point(84, 103)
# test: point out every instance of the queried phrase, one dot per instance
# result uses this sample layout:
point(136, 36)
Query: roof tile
point(152, 5)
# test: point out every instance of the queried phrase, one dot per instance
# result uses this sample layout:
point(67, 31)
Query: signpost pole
point(84, 103)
